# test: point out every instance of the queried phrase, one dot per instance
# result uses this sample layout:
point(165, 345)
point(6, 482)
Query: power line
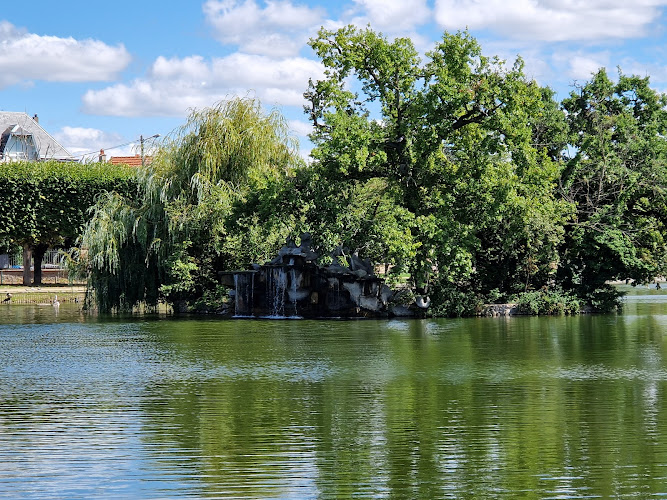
point(105, 149)
point(140, 140)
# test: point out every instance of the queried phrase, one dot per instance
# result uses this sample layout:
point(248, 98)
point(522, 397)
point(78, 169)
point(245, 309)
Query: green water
point(475, 408)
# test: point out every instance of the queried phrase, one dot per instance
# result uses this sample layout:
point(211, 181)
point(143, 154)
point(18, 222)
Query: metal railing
point(53, 259)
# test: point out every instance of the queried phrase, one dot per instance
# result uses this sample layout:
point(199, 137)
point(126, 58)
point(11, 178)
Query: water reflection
point(481, 408)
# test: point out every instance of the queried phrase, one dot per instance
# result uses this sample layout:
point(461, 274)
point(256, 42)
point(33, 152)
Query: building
point(132, 161)
point(23, 139)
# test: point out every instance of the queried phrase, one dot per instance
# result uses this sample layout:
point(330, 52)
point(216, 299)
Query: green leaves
point(46, 203)
point(197, 203)
point(458, 170)
point(453, 140)
point(616, 177)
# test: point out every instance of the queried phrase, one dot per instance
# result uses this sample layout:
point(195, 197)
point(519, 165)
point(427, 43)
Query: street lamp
point(141, 139)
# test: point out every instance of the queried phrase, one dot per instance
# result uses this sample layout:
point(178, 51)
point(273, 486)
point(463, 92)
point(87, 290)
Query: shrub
point(541, 302)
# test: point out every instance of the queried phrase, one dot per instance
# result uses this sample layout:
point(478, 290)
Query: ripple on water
point(601, 372)
point(400, 409)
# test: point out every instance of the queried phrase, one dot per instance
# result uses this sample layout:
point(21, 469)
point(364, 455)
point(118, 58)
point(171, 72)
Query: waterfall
point(276, 284)
point(236, 295)
point(333, 296)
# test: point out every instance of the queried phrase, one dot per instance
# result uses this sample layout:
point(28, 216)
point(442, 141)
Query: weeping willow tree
point(168, 242)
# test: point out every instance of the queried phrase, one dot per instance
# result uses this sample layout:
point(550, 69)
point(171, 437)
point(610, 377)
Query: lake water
point(561, 407)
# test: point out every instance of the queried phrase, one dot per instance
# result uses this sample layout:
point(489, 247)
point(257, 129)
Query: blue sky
point(101, 74)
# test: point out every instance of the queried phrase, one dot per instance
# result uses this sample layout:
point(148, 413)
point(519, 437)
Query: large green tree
point(616, 176)
point(452, 141)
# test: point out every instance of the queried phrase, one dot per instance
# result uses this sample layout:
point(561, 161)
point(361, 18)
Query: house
point(22, 138)
point(132, 161)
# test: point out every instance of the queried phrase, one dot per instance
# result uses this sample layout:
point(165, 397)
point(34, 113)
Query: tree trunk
point(38, 256)
point(27, 259)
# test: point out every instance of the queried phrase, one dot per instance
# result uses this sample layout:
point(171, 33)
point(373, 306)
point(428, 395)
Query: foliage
point(456, 170)
point(616, 177)
point(452, 300)
point(170, 243)
point(181, 271)
point(212, 300)
point(451, 142)
point(548, 302)
point(47, 202)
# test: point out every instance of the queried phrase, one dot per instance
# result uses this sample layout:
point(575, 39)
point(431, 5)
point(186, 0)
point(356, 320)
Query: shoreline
point(44, 294)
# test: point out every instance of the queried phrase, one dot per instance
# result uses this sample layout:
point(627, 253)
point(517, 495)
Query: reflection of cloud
point(173, 86)
point(551, 20)
point(26, 56)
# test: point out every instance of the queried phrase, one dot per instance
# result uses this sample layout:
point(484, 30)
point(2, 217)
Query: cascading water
point(334, 296)
point(293, 285)
point(276, 287)
point(236, 294)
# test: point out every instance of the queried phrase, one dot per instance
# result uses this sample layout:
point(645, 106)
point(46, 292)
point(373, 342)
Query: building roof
point(47, 146)
point(132, 161)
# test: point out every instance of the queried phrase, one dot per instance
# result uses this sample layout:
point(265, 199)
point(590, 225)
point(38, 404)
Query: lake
point(557, 407)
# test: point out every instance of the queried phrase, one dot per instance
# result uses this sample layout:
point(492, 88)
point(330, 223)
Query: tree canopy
point(466, 178)
point(452, 141)
point(615, 175)
point(170, 242)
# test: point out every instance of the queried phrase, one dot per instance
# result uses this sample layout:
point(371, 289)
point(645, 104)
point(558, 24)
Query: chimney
point(36, 118)
point(103, 157)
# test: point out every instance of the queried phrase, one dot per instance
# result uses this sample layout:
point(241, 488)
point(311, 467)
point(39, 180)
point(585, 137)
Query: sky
point(102, 74)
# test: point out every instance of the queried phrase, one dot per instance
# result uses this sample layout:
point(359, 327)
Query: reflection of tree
point(480, 410)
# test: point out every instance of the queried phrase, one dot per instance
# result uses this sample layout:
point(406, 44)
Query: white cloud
point(79, 140)
point(280, 29)
point(27, 57)
point(9, 31)
point(583, 66)
point(393, 16)
point(536, 63)
point(300, 127)
point(172, 86)
point(552, 20)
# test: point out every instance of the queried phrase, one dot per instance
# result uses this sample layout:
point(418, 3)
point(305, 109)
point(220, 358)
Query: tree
point(453, 141)
point(169, 243)
point(616, 176)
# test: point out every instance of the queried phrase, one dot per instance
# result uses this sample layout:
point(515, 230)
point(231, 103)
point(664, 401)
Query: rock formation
point(294, 285)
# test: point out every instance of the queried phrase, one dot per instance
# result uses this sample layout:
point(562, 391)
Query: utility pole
point(141, 140)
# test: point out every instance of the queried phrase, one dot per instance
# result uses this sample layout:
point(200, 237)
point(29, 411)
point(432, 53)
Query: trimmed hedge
point(48, 202)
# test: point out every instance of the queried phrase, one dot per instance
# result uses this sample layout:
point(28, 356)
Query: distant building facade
point(22, 138)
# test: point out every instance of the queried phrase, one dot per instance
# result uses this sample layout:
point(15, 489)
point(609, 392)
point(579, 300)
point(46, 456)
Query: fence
point(53, 271)
point(53, 259)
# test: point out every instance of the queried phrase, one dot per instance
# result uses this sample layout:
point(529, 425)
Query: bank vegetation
point(468, 180)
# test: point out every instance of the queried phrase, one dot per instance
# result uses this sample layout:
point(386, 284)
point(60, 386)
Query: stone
point(293, 285)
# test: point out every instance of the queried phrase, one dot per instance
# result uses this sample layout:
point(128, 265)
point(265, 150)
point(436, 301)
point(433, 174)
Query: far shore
point(43, 294)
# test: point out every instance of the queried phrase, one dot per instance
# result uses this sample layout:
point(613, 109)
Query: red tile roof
point(132, 161)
